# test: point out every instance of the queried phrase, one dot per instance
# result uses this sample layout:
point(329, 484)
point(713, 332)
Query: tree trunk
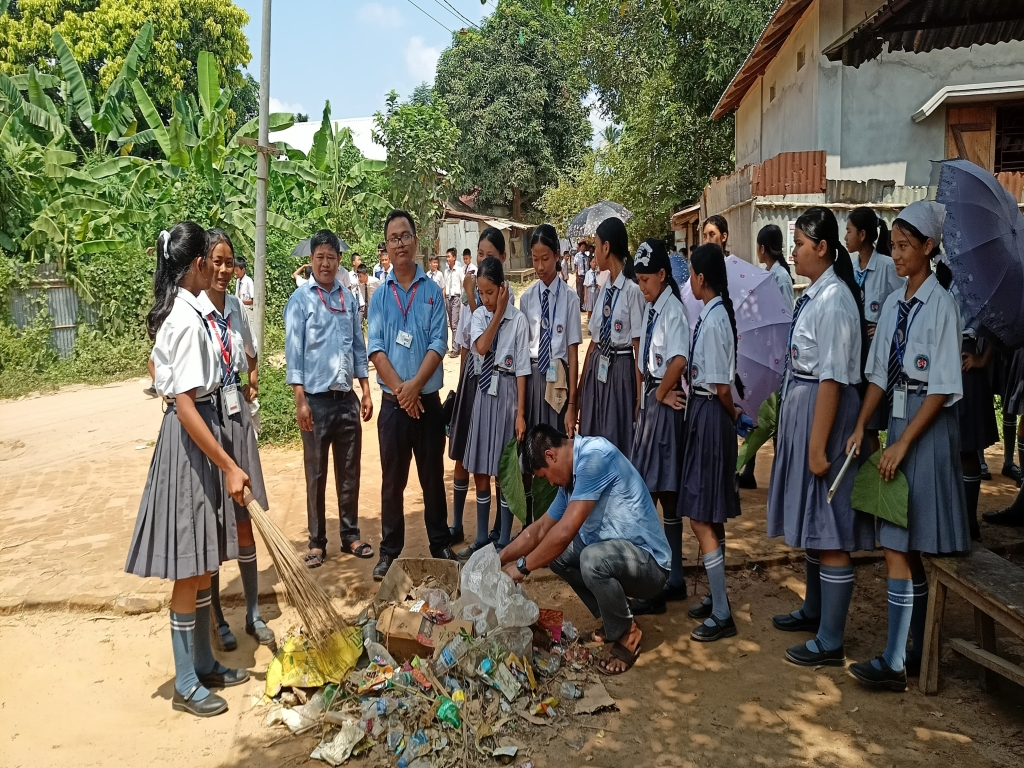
point(517, 205)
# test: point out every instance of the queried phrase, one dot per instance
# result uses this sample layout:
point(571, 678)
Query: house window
point(1009, 139)
point(801, 58)
point(771, 93)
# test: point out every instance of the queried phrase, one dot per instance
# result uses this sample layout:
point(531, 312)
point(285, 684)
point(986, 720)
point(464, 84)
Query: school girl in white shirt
point(179, 533)
point(611, 380)
point(818, 410)
point(914, 362)
point(501, 353)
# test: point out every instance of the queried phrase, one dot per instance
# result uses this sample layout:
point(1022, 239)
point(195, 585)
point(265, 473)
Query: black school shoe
point(746, 482)
point(456, 535)
point(883, 679)
point(702, 633)
point(700, 611)
point(446, 554)
point(264, 635)
point(1008, 516)
point(381, 569)
point(208, 707)
point(787, 622)
point(640, 607)
point(225, 679)
point(803, 656)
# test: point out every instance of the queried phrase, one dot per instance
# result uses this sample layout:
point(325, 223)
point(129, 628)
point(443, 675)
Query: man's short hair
point(541, 438)
point(434, 257)
point(240, 262)
point(467, 252)
point(362, 270)
point(452, 251)
point(397, 213)
point(324, 237)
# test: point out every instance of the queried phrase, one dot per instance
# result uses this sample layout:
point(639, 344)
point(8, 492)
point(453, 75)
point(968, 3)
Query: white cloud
point(276, 105)
point(380, 15)
point(421, 59)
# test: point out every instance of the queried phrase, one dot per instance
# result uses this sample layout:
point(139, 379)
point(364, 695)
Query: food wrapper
point(298, 665)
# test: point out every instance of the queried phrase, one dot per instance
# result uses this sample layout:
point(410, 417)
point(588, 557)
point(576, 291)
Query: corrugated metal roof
point(1013, 183)
point(918, 26)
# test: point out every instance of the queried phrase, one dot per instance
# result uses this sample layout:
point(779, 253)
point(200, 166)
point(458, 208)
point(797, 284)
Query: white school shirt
point(782, 277)
point(670, 337)
point(627, 315)
point(826, 333)
point(184, 356)
point(932, 354)
point(563, 314)
point(371, 286)
point(582, 261)
point(438, 277)
point(512, 353)
point(453, 278)
point(245, 288)
point(465, 329)
point(880, 280)
point(242, 343)
point(714, 352)
point(591, 279)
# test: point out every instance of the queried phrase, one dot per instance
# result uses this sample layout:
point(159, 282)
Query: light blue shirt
point(426, 321)
point(624, 509)
point(324, 349)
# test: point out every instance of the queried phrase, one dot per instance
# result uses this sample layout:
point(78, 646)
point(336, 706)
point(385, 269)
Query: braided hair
point(709, 260)
point(176, 251)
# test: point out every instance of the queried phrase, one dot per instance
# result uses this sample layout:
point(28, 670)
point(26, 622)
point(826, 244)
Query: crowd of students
point(877, 342)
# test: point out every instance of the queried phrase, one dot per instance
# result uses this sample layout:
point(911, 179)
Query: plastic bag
point(517, 611)
point(482, 562)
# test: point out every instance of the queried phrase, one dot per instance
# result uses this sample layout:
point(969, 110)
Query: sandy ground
point(92, 686)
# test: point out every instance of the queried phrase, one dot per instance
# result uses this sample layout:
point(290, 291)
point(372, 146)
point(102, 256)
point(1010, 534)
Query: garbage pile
point(455, 669)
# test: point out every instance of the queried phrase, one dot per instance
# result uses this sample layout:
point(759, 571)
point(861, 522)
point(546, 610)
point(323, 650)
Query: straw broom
point(319, 619)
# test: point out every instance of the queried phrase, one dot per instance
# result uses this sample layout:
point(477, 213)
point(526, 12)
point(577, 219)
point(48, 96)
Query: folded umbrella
point(589, 219)
point(984, 241)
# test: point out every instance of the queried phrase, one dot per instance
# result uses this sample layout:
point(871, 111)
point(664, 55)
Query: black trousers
point(401, 438)
point(337, 428)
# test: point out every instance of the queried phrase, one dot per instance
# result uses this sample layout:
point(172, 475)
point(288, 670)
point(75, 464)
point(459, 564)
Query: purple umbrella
point(984, 238)
point(762, 329)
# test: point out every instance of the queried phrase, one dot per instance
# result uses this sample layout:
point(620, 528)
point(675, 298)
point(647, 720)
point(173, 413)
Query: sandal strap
point(192, 691)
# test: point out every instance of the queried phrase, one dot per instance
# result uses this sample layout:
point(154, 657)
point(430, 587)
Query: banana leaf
point(511, 479)
point(73, 74)
point(543, 496)
point(767, 424)
point(887, 500)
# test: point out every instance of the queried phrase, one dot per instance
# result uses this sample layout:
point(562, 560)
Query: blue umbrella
point(984, 238)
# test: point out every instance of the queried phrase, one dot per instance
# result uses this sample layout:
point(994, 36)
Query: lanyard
point(547, 324)
point(615, 301)
point(700, 326)
point(860, 277)
point(404, 310)
point(902, 348)
point(225, 352)
point(647, 340)
point(341, 296)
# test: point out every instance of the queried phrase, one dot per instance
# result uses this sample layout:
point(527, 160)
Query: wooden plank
point(929, 680)
point(991, 579)
point(988, 660)
point(985, 637)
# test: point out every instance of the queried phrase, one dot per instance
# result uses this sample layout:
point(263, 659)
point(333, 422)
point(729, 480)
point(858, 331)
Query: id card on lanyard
point(230, 402)
point(605, 362)
point(899, 394)
point(404, 338)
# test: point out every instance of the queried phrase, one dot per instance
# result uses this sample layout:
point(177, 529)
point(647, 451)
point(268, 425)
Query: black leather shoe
point(208, 707)
point(699, 611)
point(467, 552)
point(264, 635)
point(1009, 516)
point(882, 679)
point(381, 569)
point(673, 594)
point(702, 633)
point(912, 665)
point(803, 656)
point(1012, 471)
point(640, 607)
point(225, 679)
point(456, 535)
point(446, 554)
point(787, 622)
point(747, 482)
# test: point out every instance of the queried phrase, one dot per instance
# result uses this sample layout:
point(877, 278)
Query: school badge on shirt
point(921, 362)
point(875, 306)
point(508, 361)
point(558, 328)
point(657, 359)
point(618, 326)
point(794, 353)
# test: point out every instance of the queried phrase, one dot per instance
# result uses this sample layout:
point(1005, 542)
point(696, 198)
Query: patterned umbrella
point(984, 238)
point(587, 221)
point(762, 329)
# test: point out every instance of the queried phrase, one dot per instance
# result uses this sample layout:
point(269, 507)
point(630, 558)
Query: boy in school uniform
point(434, 271)
point(453, 277)
point(325, 352)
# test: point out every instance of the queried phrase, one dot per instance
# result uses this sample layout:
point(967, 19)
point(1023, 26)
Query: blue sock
point(721, 546)
point(459, 505)
point(250, 583)
point(483, 515)
point(920, 612)
point(183, 630)
point(714, 564)
point(836, 591)
point(811, 609)
point(674, 534)
point(202, 649)
point(506, 521)
point(901, 608)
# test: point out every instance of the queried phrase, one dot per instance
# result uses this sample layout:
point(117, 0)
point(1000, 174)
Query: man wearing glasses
point(408, 337)
point(325, 353)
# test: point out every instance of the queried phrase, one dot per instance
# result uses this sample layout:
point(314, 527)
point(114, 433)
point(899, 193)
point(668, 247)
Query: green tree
point(515, 91)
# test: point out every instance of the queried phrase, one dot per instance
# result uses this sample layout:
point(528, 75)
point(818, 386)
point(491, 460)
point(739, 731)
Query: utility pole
point(262, 178)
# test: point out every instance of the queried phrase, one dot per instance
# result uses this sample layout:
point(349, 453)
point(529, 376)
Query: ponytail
point(943, 274)
point(673, 285)
point(709, 260)
point(727, 302)
point(875, 231)
point(175, 253)
point(613, 232)
point(770, 238)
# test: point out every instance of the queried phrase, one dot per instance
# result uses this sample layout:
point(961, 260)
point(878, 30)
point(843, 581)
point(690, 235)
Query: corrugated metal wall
point(1013, 182)
point(62, 304)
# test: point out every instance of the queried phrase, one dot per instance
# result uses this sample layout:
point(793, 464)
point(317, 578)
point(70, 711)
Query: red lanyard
point(341, 296)
point(225, 352)
point(398, 301)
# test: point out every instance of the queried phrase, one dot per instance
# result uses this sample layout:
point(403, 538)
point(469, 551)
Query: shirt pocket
point(917, 360)
point(422, 316)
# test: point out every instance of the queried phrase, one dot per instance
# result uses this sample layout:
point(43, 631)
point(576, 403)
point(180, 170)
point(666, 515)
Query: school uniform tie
point(606, 322)
point(487, 364)
point(689, 357)
point(651, 317)
point(789, 348)
point(898, 347)
point(227, 375)
point(544, 354)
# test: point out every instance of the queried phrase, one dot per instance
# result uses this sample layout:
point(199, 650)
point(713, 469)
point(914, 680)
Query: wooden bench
point(995, 587)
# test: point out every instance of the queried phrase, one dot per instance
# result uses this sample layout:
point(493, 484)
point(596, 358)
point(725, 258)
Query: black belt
point(332, 394)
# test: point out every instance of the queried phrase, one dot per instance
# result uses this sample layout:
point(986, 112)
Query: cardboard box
point(408, 634)
point(405, 574)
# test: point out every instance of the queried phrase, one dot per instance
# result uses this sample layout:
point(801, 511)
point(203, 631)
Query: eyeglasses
point(405, 239)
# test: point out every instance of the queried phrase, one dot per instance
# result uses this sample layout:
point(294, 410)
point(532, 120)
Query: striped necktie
point(544, 355)
point(651, 318)
point(487, 363)
point(898, 346)
point(606, 322)
point(693, 345)
point(228, 376)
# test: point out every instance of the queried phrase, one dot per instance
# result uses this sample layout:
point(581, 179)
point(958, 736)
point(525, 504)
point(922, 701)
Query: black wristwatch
point(521, 565)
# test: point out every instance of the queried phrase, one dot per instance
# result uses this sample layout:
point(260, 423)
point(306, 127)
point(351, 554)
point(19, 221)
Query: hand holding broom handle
point(842, 473)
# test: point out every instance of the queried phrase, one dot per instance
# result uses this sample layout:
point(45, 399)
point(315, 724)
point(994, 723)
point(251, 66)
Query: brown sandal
point(621, 653)
point(360, 549)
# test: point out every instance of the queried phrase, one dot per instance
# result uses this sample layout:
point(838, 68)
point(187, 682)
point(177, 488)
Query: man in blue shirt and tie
point(325, 352)
point(408, 337)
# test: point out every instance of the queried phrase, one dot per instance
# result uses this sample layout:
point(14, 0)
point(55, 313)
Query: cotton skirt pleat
point(589, 300)
point(708, 492)
point(937, 510)
point(465, 398)
point(798, 506)
point(1013, 399)
point(240, 444)
point(537, 409)
point(180, 531)
point(976, 409)
point(606, 410)
point(658, 444)
point(492, 426)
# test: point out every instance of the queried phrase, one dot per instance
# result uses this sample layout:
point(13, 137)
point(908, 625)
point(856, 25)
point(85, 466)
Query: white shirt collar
point(709, 306)
point(871, 262)
point(925, 291)
point(620, 281)
point(666, 295)
point(195, 301)
point(314, 284)
point(815, 288)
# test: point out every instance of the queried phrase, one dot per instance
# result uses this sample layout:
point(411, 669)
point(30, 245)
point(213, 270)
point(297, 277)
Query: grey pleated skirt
point(181, 530)
point(708, 492)
point(937, 509)
point(798, 506)
point(658, 444)
point(1013, 399)
point(239, 440)
point(492, 426)
point(465, 398)
point(589, 299)
point(606, 410)
point(537, 409)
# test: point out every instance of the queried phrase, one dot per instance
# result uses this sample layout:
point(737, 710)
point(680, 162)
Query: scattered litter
point(338, 748)
point(595, 698)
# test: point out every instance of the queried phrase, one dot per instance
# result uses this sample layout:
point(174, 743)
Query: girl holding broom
point(182, 528)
